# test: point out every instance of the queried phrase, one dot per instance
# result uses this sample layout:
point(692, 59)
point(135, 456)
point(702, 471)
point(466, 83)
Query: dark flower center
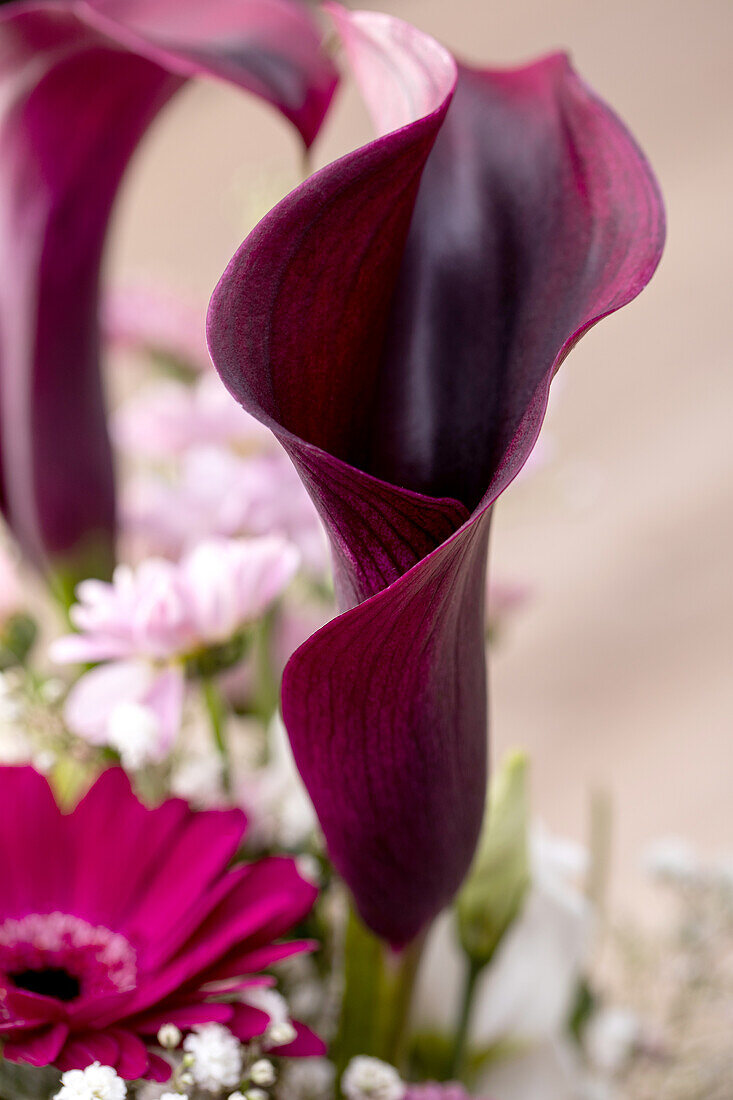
point(62, 956)
point(51, 982)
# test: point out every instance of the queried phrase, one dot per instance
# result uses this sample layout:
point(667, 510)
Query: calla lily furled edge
point(396, 321)
point(80, 82)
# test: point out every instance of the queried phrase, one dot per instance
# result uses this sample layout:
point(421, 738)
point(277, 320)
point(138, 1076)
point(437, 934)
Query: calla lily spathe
point(397, 321)
point(80, 82)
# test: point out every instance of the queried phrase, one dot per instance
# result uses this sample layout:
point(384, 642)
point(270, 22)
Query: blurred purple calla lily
point(80, 81)
point(397, 321)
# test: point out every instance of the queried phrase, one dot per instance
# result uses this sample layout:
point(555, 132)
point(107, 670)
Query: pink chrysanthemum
point(116, 919)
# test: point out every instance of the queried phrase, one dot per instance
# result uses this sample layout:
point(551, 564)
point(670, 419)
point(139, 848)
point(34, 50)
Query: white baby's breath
point(96, 1082)
point(217, 1057)
point(368, 1078)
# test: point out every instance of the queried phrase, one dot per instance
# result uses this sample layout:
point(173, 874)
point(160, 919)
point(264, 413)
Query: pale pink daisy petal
point(164, 610)
point(219, 493)
point(168, 417)
point(129, 705)
point(232, 582)
point(155, 321)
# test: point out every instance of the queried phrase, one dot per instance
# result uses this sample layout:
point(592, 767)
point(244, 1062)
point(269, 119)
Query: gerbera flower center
point(51, 982)
point(62, 956)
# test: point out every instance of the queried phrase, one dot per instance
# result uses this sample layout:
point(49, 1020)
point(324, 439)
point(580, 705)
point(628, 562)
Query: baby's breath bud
point(186, 1079)
point(255, 1094)
point(169, 1036)
point(174, 1096)
point(187, 1061)
point(236, 1095)
point(278, 1035)
point(368, 1078)
point(263, 1073)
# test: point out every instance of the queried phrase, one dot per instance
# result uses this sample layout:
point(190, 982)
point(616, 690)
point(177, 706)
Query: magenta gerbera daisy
point(116, 919)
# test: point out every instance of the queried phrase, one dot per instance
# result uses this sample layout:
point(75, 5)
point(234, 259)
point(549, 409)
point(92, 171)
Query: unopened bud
point(367, 1078)
point(262, 1073)
point(494, 892)
point(279, 1035)
point(169, 1036)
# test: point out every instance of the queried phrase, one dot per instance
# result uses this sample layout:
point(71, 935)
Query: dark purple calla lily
point(80, 81)
point(397, 321)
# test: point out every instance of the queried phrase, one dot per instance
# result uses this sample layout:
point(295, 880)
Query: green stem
point(378, 987)
point(217, 719)
point(403, 989)
point(267, 690)
point(460, 1044)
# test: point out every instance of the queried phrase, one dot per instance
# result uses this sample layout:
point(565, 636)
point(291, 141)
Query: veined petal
point(397, 321)
point(79, 84)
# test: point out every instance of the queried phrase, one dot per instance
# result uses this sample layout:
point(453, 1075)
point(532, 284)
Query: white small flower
point(169, 1036)
point(279, 1035)
point(96, 1082)
point(134, 730)
point(173, 1096)
point(309, 868)
point(255, 1094)
point(44, 760)
point(610, 1037)
point(370, 1079)
point(672, 860)
point(217, 1057)
point(262, 1072)
point(236, 1095)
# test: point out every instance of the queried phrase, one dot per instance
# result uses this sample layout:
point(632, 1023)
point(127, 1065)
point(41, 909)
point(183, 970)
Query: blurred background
point(616, 672)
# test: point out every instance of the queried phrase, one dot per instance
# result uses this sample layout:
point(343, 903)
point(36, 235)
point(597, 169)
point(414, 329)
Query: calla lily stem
point(379, 984)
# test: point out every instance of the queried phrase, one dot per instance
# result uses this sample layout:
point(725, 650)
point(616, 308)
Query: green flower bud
point(493, 894)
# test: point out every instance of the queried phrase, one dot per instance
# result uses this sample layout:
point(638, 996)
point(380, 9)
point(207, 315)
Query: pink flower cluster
point(147, 621)
point(218, 491)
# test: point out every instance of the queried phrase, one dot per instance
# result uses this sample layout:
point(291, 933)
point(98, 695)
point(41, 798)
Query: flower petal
point(34, 853)
point(79, 84)
point(40, 1048)
point(306, 1044)
point(84, 1049)
point(397, 321)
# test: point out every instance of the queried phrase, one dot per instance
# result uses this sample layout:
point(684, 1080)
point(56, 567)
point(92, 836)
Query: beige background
point(618, 673)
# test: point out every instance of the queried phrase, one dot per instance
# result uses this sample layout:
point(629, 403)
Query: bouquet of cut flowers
point(249, 846)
